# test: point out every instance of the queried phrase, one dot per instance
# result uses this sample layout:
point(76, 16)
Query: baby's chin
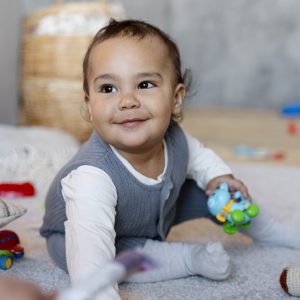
point(135, 146)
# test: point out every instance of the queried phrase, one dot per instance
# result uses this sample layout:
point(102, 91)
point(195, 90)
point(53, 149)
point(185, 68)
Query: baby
point(139, 173)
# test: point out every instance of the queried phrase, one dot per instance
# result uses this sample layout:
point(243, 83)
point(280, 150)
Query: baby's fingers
point(245, 193)
point(238, 185)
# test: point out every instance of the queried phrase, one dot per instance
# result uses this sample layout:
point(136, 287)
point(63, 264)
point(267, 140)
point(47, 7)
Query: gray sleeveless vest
point(142, 211)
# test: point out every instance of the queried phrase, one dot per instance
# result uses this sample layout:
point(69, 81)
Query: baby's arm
point(90, 198)
point(203, 164)
point(208, 169)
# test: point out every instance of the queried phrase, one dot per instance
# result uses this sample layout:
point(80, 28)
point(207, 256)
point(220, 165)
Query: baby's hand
point(233, 184)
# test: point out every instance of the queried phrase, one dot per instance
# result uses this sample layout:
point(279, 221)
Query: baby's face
point(132, 92)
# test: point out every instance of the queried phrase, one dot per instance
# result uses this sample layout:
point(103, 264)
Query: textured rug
point(256, 268)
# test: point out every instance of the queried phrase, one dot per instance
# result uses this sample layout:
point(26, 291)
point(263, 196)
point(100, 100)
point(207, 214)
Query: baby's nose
point(128, 101)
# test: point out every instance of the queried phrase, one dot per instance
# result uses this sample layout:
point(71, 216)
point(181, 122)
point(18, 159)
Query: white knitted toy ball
point(290, 280)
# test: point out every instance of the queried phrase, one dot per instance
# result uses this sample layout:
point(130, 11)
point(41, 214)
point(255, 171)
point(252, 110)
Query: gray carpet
point(256, 268)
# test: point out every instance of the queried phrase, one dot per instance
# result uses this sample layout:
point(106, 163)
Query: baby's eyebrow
point(108, 76)
point(105, 77)
point(149, 74)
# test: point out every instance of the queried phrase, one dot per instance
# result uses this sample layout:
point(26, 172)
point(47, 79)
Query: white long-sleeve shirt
point(91, 200)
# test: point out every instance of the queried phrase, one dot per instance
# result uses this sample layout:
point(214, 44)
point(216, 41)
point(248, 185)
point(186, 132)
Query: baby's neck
point(150, 163)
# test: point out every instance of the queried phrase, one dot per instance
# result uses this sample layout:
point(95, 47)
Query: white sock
point(178, 260)
point(266, 230)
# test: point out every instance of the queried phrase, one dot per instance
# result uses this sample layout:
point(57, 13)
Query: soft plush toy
point(290, 280)
point(9, 212)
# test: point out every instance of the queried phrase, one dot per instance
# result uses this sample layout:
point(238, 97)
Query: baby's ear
point(179, 94)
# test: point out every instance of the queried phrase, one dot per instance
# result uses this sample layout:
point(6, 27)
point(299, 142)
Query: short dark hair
point(133, 28)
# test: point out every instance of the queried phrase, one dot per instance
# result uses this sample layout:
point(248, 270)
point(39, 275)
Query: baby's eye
point(107, 89)
point(146, 85)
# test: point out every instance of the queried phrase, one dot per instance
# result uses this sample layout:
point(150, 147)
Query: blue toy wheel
point(5, 262)
point(18, 255)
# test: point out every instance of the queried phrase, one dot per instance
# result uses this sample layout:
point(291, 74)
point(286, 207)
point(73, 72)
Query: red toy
point(10, 248)
point(292, 127)
point(25, 189)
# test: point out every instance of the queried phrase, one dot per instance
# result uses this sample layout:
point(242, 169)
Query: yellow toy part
point(221, 216)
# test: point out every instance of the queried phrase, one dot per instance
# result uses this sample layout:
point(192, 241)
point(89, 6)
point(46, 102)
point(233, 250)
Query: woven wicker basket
point(52, 72)
point(50, 56)
point(55, 104)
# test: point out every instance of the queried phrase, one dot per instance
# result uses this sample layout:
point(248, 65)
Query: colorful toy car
point(10, 249)
point(232, 210)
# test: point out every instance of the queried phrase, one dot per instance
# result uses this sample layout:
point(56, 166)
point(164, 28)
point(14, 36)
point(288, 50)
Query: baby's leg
point(267, 230)
point(192, 203)
point(264, 228)
point(57, 250)
point(178, 260)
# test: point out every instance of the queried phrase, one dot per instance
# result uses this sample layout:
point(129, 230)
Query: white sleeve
point(91, 198)
point(203, 163)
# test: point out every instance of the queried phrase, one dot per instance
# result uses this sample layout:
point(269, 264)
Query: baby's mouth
point(132, 123)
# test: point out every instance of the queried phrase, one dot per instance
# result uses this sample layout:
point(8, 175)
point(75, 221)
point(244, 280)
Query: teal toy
point(231, 209)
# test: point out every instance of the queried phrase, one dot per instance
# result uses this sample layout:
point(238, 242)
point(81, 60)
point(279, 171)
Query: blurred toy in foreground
point(290, 280)
point(10, 249)
point(124, 265)
point(232, 210)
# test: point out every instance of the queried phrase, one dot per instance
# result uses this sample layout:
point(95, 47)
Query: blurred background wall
point(10, 22)
point(242, 53)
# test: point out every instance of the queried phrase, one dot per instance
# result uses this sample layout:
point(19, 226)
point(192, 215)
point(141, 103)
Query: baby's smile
point(132, 123)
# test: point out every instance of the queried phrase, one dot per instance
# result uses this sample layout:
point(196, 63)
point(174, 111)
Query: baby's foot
point(267, 230)
point(210, 261)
